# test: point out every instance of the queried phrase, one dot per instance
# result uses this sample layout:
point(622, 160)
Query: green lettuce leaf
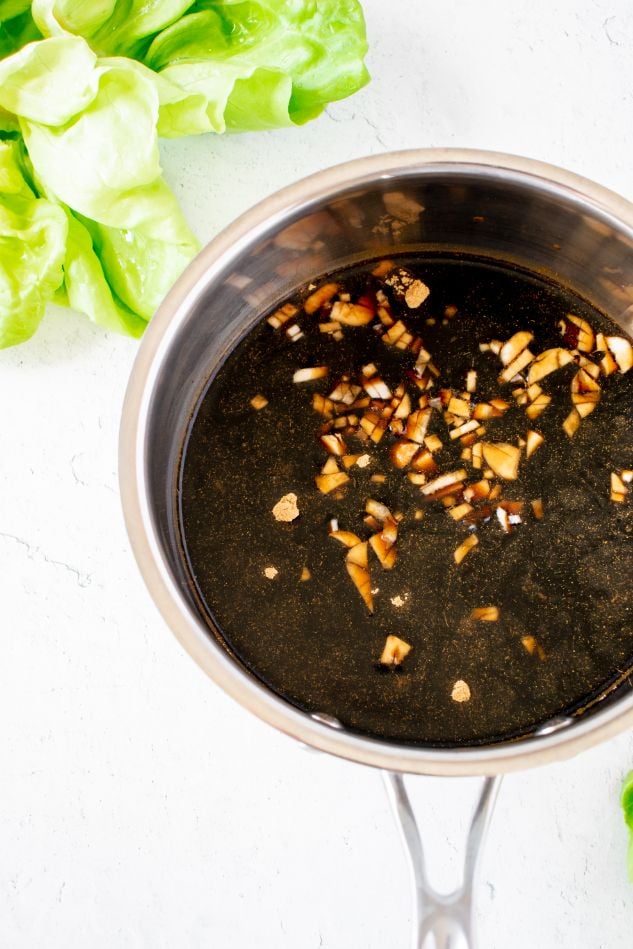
point(32, 242)
point(113, 27)
point(87, 288)
point(240, 65)
point(627, 806)
point(264, 64)
point(9, 9)
point(17, 27)
point(104, 160)
point(140, 269)
point(97, 158)
point(49, 81)
point(85, 91)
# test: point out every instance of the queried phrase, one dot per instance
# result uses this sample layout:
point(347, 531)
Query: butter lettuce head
point(86, 88)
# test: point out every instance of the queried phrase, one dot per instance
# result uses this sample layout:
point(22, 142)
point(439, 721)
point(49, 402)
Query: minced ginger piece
point(259, 402)
point(412, 289)
point(485, 614)
point(270, 573)
point(533, 647)
point(416, 294)
point(461, 691)
point(537, 507)
point(286, 508)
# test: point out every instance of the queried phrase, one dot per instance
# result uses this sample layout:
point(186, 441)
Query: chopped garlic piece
point(351, 314)
point(548, 361)
point(347, 538)
point(464, 548)
point(617, 484)
point(619, 489)
point(515, 346)
point(309, 374)
point(282, 315)
point(329, 482)
point(444, 481)
point(533, 441)
point(622, 352)
point(394, 651)
point(572, 423)
point(323, 295)
point(433, 442)
point(356, 563)
point(457, 513)
point(503, 458)
point(334, 444)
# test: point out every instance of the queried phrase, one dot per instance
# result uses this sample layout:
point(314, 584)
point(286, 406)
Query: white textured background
point(139, 807)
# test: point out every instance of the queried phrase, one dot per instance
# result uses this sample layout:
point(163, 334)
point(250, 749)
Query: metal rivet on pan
point(326, 719)
point(554, 725)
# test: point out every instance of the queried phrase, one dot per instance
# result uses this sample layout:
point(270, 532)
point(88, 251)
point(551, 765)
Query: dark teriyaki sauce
point(564, 580)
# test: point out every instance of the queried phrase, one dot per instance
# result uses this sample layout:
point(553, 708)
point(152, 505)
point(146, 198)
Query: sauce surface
point(563, 580)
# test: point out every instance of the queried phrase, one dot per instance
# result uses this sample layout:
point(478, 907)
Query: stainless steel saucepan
point(497, 206)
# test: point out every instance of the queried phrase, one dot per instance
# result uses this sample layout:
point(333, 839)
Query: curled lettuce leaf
point(105, 158)
point(113, 27)
point(141, 269)
point(627, 806)
point(32, 243)
point(264, 64)
point(48, 81)
point(87, 288)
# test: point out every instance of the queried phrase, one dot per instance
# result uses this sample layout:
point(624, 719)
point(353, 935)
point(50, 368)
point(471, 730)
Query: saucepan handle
point(442, 921)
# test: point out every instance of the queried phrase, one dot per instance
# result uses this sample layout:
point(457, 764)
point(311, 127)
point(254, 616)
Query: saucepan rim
point(157, 343)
